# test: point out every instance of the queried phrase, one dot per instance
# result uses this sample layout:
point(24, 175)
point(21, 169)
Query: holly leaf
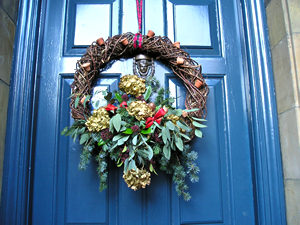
point(128, 131)
point(101, 142)
point(148, 93)
point(147, 131)
point(118, 97)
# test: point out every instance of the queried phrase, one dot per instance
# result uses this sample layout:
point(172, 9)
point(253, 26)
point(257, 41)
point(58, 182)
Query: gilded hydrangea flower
point(137, 179)
point(98, 121)
point(132, 84)
point(140, 110)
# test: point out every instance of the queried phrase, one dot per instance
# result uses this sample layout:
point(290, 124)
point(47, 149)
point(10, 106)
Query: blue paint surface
point(56, 192)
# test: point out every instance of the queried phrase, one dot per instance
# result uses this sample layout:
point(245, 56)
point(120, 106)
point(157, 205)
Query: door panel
point(62, 194)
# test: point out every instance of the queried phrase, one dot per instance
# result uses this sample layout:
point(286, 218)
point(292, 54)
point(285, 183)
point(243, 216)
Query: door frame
point(19, 148)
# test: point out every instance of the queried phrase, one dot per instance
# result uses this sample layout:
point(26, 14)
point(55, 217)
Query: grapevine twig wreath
point(132, 131)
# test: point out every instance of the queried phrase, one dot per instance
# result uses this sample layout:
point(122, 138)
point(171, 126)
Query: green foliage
point(127, 143)
point(85, 157)
point(118, 97)
point(76, 101)
point(102, 170)
point(167, 151)
point(147, 131)
point(115, 123)
point(153, 82)
point(148, 93)
point(160, 96)
point(198, 133)
point(86, 100)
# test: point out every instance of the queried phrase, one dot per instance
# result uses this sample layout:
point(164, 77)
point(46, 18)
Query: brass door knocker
point(143, 65)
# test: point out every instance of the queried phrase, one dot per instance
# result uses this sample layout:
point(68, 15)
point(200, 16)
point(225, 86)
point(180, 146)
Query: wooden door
point(209, 31)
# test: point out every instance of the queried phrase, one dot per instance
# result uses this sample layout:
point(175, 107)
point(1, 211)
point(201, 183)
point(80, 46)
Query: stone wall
point(284, 32)
point(8, 18)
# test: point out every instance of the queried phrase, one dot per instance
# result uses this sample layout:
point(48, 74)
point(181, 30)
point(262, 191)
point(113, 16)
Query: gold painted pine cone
point(137, 179)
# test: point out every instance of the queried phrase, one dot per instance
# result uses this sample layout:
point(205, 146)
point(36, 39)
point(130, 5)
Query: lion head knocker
point(143, 65)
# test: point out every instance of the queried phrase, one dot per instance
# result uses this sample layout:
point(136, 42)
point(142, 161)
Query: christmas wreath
point(139, 129)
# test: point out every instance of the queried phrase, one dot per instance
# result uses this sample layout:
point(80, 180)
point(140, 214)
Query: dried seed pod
point(86, 66)
point(82, 99)
point(180, 61)
point(177, 44)
point(100, 41)
point(184, 113)
point(150, 33)
point(124, 41)
point(198, 83)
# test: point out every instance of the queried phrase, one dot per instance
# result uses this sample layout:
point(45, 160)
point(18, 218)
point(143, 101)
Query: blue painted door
point(209, 30)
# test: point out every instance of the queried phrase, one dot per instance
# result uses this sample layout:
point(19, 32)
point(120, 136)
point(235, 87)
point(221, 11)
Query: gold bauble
point(140, 110)
point(132, 85)
point(137, 179)
point(98, 121)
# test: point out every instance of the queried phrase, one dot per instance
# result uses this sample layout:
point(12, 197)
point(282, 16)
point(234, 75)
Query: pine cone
point(137, 179)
